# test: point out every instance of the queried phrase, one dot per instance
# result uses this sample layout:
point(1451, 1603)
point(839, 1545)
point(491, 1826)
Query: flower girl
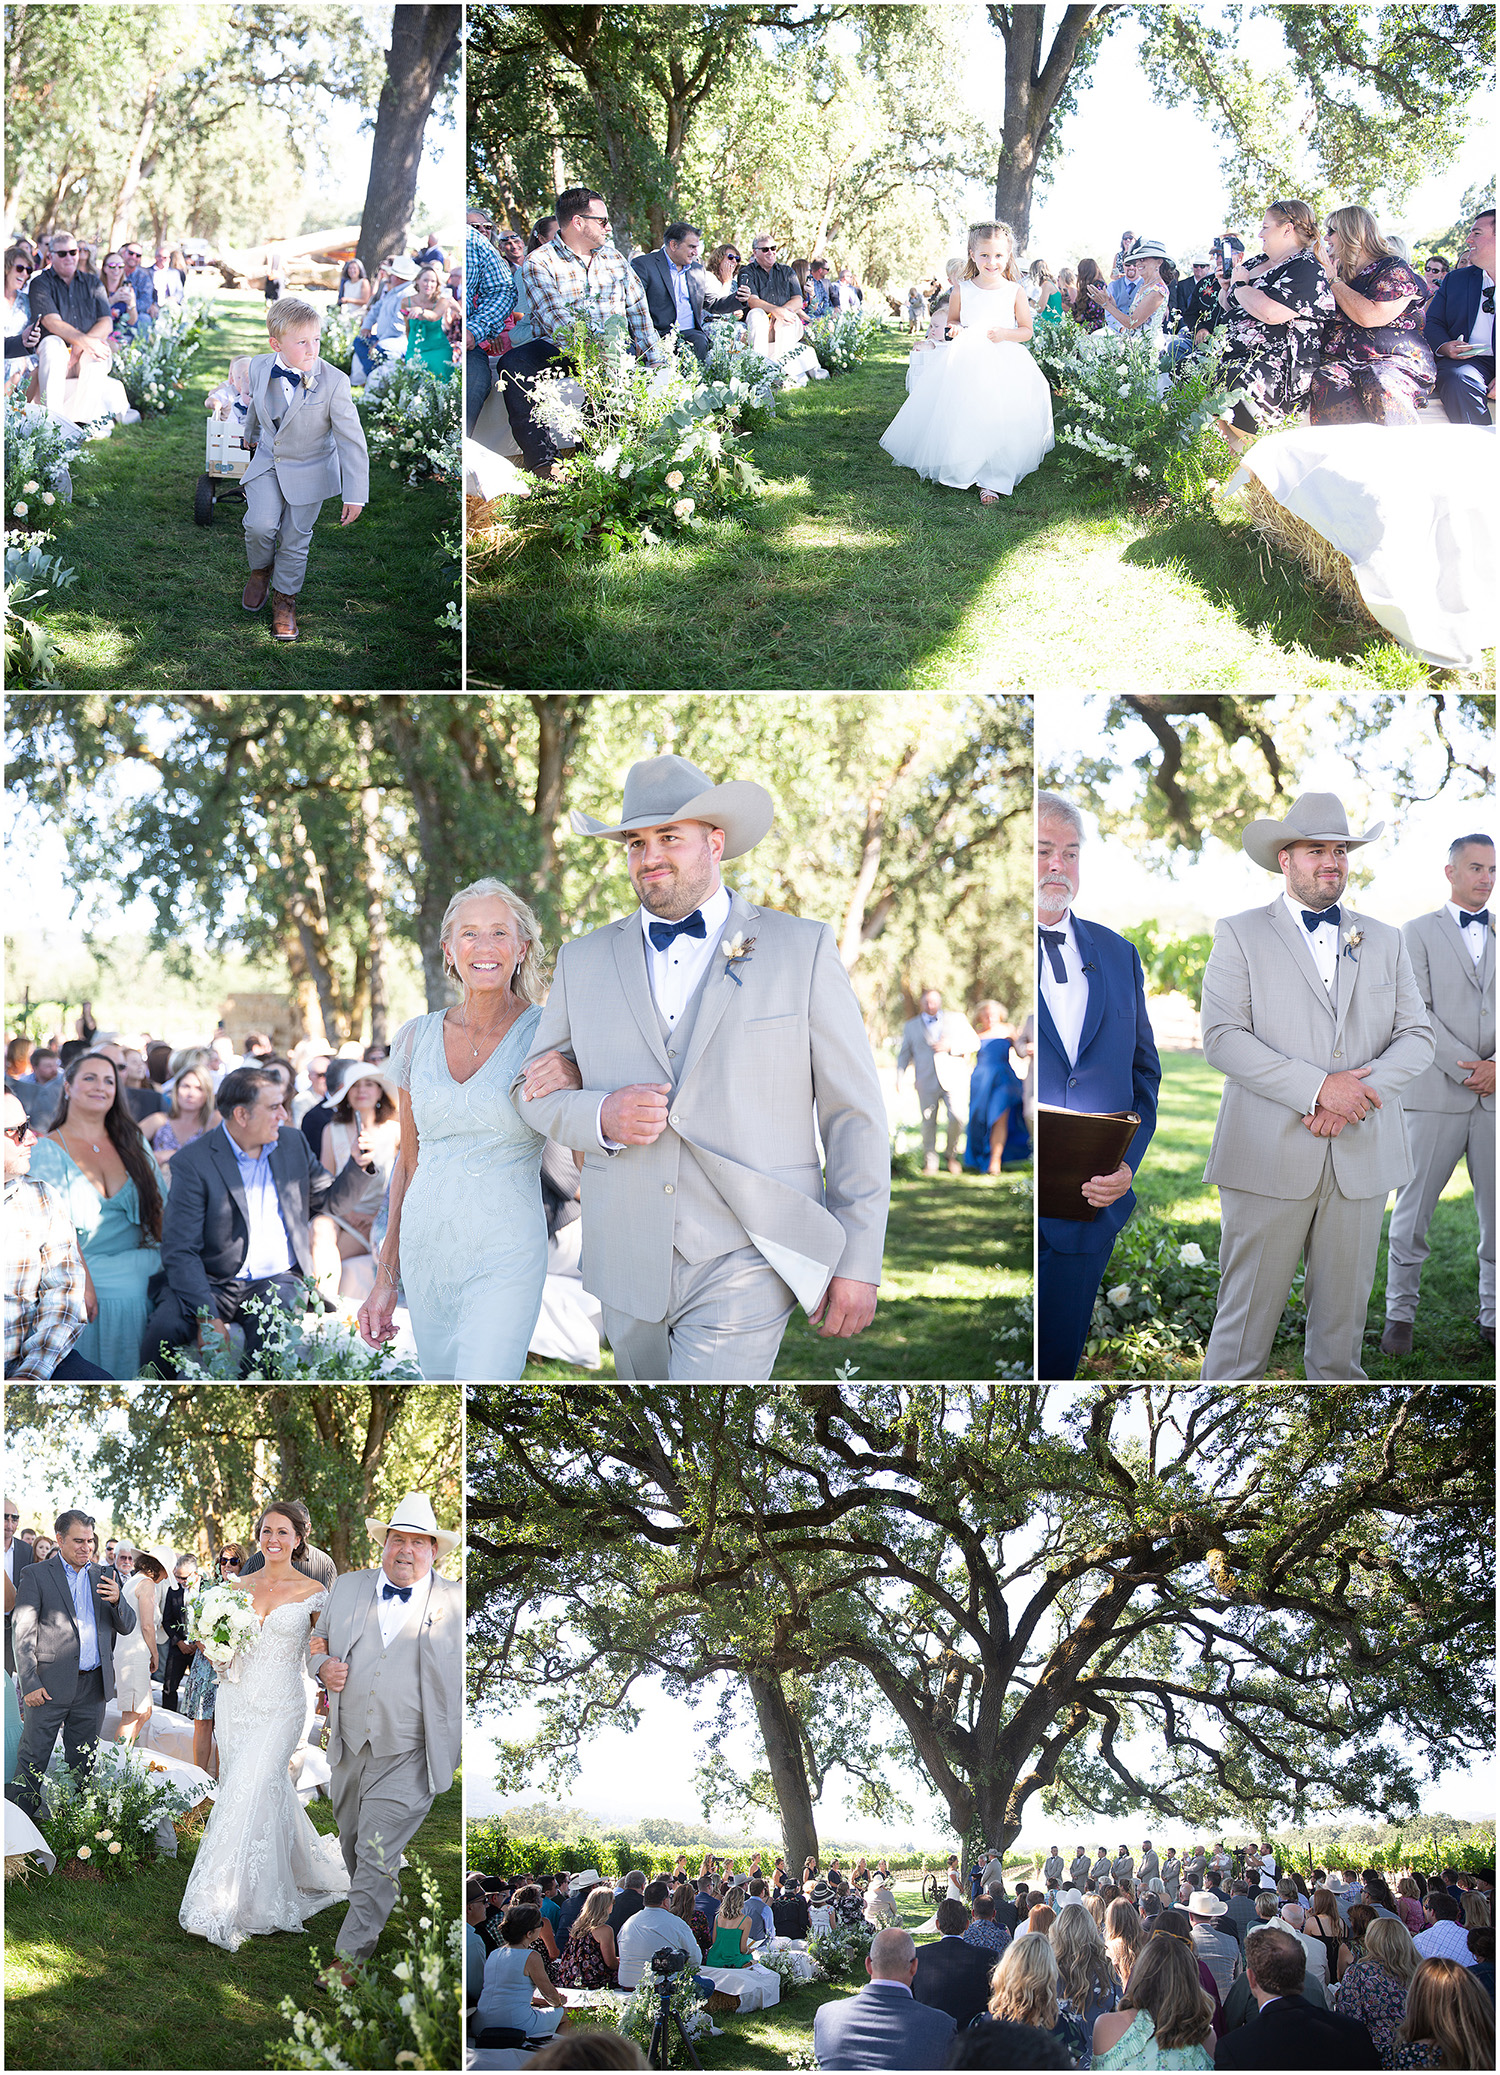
point(979, 410)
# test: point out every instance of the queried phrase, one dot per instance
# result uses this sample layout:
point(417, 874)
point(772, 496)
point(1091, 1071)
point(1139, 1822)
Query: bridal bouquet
point(223, 1621)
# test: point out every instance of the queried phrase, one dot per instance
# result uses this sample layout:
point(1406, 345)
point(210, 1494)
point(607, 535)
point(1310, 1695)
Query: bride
point(261, 1866)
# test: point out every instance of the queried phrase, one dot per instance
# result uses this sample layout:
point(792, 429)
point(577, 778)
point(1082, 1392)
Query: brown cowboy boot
point(254, 595)
point(283, 616)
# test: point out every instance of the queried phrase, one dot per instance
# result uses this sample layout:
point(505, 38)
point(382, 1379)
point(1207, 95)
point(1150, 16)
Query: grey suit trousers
point(724, 1323)
point(80, 1721)
point(380, 1805)
point(1262, 1239)
point(277, 532)
point(1439, 1140)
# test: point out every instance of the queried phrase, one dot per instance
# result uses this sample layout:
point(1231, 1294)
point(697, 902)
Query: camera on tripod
point(667, 1961)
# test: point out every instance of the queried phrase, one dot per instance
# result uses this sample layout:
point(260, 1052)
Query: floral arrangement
point(1162, 1308)
point(684, 1998)
point(731, 357)
point(293, 1352)
point(412, 422)
point(1121, 423)
point(793, 1968)
point(222, 1620)
point(841, 342)
point(104, 1824)
point(153, 366)
point(841, 1951)
point(341, 328)
point(39, 458)
point(401, 2013)
point(30, 652)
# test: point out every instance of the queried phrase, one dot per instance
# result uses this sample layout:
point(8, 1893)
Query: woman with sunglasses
point(23, 333)
point(121, 296)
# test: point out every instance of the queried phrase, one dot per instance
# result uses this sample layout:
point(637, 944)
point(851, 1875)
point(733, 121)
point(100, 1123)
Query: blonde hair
point(1390, 1946)
point(529, 980)
point(1080, 1954)
point(195, 1060)
point(980, 231)
point(597, 1905)
point(1024, 1986)
point(1165, 1982)
point(1446, 2004)
point(1356, 240)
point(289, 312)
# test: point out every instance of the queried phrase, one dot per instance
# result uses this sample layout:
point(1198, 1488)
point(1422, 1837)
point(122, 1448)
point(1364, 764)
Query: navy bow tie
point(662, 933)
point(1053, 940)
point(1313, 917)
point(287, 375)
point(1481, 919)
point(401, 1592)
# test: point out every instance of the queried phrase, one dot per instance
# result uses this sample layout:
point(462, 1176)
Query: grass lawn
point(101, 1975)
point(157, 602)
point(853, 574)
point(955, 1245)
point(1447, 1342)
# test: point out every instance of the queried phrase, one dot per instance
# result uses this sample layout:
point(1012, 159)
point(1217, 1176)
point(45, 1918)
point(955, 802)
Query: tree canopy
point(1217, 1603)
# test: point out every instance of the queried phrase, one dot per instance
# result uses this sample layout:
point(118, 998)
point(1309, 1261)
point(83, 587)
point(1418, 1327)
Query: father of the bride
point(718, 1042)
point(67, 1615)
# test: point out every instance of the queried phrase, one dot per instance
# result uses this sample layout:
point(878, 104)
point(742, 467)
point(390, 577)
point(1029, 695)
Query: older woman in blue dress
point(467, 1237)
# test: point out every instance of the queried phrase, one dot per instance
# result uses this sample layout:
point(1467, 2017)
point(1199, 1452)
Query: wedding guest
point(1460, 328)
point(48, 1296)
point(354, 286)
point(120, 296)
point(432, 318)
point(1026, 1991)
point(137, 1655)
point(489, 298)
point(1088, 309)
point(190, 1106)
point(1449, 2022)
point(1165, 2019)
point(66, 1615)
point(590, 1959)
point(1275, 308)
point(1434, 273)
point(76, 323)
point(363, 1133)
point(514, 1975)
point(1376, 366)
point(142, 281)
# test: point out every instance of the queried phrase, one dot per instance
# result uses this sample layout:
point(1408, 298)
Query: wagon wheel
point(203, 501)
point(933, 1889)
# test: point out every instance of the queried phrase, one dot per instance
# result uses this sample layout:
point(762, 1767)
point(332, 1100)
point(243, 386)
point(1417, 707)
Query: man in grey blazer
point(677, 288)
point(1450, 1109)
point(309, 444)
point(67, 1615)
point(394, 1673)
point(1314, 1018)
point(938, 1045)
point(18, 1555)
point(719, 1043)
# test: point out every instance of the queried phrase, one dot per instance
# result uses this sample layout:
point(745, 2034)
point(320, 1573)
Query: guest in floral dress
point(1166, 2017)
point(1377, 367)
point(1275, 306)
point(590, 1959)
point(1450, 2021)
point(202, 1681)
point(1086, 311)
point(1373, 1990)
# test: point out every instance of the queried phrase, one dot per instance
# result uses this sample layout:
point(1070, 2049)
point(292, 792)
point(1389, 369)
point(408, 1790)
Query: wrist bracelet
point(385, 1269)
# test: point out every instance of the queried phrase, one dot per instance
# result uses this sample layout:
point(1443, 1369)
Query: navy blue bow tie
point(401, 1592)
point(662, 933)
point(1313, 917)
point(1481, 919)
point(1053, 941)
point(287, 375)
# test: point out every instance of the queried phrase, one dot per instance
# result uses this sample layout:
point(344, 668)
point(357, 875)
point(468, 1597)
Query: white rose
point(1191, 1255)
point(1120, 1294)
point(48, 498)
point(31, 486)
point(19, 510)
point(674, 479)
point(683, 508)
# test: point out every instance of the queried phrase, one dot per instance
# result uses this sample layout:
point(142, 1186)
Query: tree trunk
point(783, 1741)
point(424, 50)
point(369, 813)
point(130, 179)
point(558, 725)
point(854, 934)
point(303, 988)
point(359, 995)
point(1033, 87)
point(432, 838)
point(311, 917)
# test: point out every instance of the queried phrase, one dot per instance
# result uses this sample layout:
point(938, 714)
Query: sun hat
point(669, 788)
point(1311, 818)
point(415, 1514)
point(368, 1070)
point(1146, 248)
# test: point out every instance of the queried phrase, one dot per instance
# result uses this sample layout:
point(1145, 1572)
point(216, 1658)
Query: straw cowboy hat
point(1311, 818)
point(662, 789)
point(415, 1514)
point(1204, 1902)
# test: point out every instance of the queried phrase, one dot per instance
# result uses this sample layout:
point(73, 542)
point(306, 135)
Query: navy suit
point(1291, 2033)
point(1117, 1069)
point(655, 271)
point(955, 1977)
point(881, 2027)
point(1461, 384)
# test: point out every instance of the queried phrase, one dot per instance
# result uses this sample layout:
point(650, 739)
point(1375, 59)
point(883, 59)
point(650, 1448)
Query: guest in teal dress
point(1165, 2019)
point(12, 1728)
point(97, 1157)
point(430, 311)
point(997, 1131)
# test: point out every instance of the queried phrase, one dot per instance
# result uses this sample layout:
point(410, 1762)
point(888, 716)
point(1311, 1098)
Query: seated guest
point(570, 1905)
point(953, 1975)
point(985, 1929)
point(1460, 328)
point(316, 1119)
point(771, 299)
point(677, 289)
point(815, 294)
point(46, 1286)
point(883, 2026)
point(120, 296)
point(997, 2043)
point(190, 1106)
point(681, 1903)
point(1373, 1989)
point(1027, 1990)
point(880, 1902)
point(514, 1974)
point(364, 1133)
point(628, 1901)
point(580, 266)
point(1274, 307)
point(76, 324)
point(1444, 1936)
point(477, 1947)
point(1289, 2032)
point(1449, 2022)
point(22, 331)
point(383, 333)
point(1433, 276)
point(758, 1912)
point(489, 298)
point(591, 1958)
point(1165, 2019)
point(789, 1915)
point(653, 1924)
point(1375, 367)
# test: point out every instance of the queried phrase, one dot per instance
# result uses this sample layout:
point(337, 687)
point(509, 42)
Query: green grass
point(954, 1246)
point(855, 574)
point(157, 602)
point(1446, 1341)
point(101, 1976)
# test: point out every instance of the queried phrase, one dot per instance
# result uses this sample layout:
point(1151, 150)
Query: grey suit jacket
point(778, 1054)
point(318, 450)
point(948, 1070)
point(1270, 1028)
point(440, 1659)
point(1460, 1000)
point(44, 1630)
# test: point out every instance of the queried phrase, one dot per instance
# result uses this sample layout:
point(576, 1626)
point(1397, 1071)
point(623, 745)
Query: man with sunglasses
point(143, 281)
point(771, 299)
point(74, 313)
point(1460, 328)
point(46, 1283)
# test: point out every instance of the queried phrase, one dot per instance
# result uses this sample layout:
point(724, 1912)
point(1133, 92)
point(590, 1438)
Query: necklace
point(92, 1148)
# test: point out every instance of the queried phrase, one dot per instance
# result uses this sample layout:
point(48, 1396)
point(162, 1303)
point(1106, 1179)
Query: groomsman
point(1450, 1109)
point(1314, 1018)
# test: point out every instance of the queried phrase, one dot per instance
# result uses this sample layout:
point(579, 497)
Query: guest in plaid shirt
point(46, 1283)
point(577, 265)
point(489, 298)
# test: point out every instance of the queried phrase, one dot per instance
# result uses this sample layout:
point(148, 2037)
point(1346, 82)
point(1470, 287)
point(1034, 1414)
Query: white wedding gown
point(261, 1866)
point(978, 412)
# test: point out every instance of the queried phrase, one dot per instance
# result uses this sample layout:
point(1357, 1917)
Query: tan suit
point(1270, 1027)
point(1448, 1122)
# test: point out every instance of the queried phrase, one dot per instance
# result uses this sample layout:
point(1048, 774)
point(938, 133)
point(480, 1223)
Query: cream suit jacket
point(440, 1663)
point(318, 450)
point(1270, 1028)
point(778, 1048)
point(1460, 999)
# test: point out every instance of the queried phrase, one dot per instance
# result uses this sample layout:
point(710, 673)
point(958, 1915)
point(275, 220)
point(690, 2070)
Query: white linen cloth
point(24, 1840)
point(1413, 509)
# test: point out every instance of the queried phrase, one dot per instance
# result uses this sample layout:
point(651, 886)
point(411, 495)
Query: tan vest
point(381, 1703)
point(704, 1225)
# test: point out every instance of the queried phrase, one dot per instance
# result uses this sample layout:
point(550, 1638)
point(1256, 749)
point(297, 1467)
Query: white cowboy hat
point(669, 788)
point(402, 268)
point(1204, 1902)
point(415, 1514)
point(589, 1878)
point(1311, 818)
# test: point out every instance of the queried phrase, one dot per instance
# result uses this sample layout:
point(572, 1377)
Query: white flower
point(84, 1852)
point(1120, 1294)
point(674, 479)
point(609, 457)
point(31, 486)
point(115, 1846)
point(48, 498)
point(627, 470)
point(683, 508)
point(1191, 1255)
point(407, 2005)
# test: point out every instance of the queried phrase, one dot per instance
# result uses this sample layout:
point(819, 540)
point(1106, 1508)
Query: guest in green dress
point(429, 309)
point(98, 1160)
point(1165, 2019)
point(731, 1946)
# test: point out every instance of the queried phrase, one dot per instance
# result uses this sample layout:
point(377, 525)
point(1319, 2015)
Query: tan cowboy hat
point(1311, 818)
point(669, 788)
point(415, 1514)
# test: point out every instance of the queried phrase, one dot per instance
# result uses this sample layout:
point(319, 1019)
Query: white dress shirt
point(1322, 945)
point(1473, 937)
point(1482, 330)
point(676, 971)
point(394, 1613)
point(1067, 1002)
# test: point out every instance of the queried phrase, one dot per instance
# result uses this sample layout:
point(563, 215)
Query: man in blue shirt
point(489, 298)
point(677, 288)
point(67, 1615)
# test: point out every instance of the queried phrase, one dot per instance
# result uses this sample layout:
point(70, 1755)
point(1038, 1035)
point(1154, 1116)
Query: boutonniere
point(736, 950)
point(1352, 943)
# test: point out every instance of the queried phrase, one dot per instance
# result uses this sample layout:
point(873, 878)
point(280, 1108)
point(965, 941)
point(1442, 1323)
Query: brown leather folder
point(1072, 1146)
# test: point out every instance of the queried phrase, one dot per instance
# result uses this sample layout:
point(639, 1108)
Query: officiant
point(1095, 1052)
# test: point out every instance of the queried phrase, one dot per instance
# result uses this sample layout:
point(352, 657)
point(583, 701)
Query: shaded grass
point(157, 602)
point(855, 574)
point(1446, 1340)
point(102, 1976)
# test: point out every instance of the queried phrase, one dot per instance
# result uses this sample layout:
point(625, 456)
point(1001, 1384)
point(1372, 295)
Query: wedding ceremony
point(234, 1681)
point(233, 288)
point(1196, 1044)
point(898, 346)
point(484, 1037)
point(1109, 1725)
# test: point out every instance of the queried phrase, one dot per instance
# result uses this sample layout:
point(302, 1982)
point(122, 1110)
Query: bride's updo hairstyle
point(294, 1511)
point(977, 233)
point(529, 980)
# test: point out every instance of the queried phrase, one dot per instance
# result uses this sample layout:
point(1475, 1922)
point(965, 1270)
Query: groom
point(394, 1673)
point(719, 1044)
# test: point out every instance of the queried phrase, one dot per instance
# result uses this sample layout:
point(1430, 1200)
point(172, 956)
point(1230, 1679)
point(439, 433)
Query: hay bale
point(1304, 545)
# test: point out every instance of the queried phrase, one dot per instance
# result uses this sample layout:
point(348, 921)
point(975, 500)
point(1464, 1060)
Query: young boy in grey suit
point(309, 444)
